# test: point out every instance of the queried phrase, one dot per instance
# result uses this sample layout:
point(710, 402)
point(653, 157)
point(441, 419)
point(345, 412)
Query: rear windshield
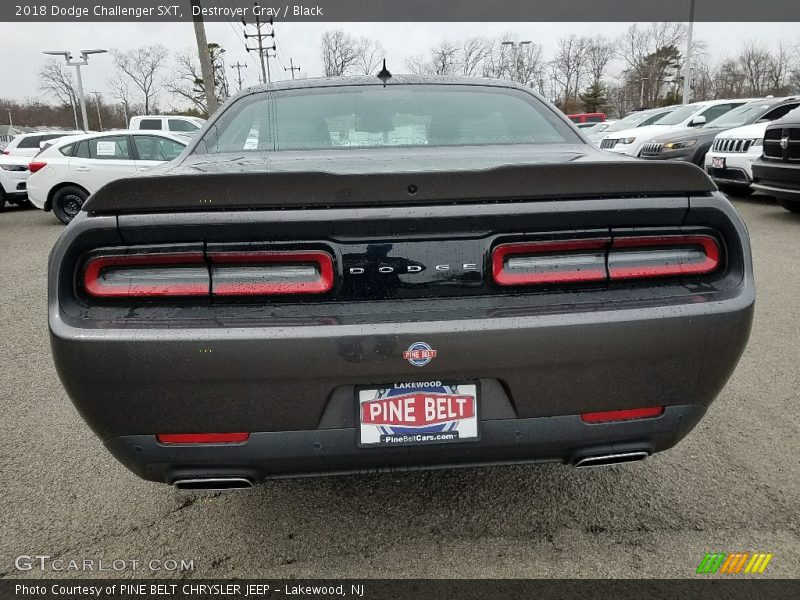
point(372, 117)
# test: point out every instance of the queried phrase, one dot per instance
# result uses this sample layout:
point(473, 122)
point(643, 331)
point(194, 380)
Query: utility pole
point(10, 122)
point(292, 68)
point(687, 76)
point(78, 64)
point(263, 51)
point(238, 66)
point(125, 112)
point(205, 58)
point(97, 102)
point(641, 94)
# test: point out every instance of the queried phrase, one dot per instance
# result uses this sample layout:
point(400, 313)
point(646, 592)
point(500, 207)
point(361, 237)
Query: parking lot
point(732, 485)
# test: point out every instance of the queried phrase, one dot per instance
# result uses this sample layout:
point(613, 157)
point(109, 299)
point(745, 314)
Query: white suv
point(630, 141)
point(174, 124)
point(30, 144)
point(66, 173)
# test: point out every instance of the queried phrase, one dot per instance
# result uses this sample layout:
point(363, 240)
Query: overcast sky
point(23, 44)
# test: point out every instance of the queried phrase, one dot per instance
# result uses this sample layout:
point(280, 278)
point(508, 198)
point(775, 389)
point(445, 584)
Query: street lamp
point(513, 47)
point(641, 94)
point(78, 64)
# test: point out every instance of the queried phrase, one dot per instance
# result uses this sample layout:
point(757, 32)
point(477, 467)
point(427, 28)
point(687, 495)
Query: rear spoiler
point(317, 189)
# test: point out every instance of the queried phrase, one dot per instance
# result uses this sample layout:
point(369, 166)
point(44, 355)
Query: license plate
point(718, 162)
point(417, 413)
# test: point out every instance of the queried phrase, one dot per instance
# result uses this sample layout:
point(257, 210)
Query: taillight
point(551, 261)
point(600, 259)
point(622, 415)
point(147, 275)
point(202, 438)
point(36, 165)
point(217, 273)
point(662, 256)
point(8, 152)
point(270, 273)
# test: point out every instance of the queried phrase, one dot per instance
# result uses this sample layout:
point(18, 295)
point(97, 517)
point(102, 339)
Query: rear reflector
point(202, 438)
point(556, 261)
point(270, 273)
point(662, 256)
point(622, 415)
point(147, 275)
point(36, 165)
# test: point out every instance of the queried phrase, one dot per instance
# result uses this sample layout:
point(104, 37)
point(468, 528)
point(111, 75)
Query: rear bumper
point(269, 455)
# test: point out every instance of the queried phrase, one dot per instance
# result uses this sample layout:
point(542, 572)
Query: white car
point(630, 141)
point(640, 118)
point(29, 144)
point(65, 174)
point(13, 177)
point(173, 123)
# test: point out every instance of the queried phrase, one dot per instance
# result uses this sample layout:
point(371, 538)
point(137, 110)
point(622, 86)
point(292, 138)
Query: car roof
point(318, 82)
point(75, 138)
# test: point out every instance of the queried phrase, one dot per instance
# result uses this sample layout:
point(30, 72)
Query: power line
point(236, 31)
point(238, 66)
point(263, 51)
point(292, 68)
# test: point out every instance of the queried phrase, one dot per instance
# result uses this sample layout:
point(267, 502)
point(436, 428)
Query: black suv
point(777, 172)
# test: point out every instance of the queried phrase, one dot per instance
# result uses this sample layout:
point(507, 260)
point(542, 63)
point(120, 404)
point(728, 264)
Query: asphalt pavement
point(732, 485)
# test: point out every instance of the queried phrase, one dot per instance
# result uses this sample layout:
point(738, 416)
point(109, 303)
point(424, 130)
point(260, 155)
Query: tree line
point(642, 68)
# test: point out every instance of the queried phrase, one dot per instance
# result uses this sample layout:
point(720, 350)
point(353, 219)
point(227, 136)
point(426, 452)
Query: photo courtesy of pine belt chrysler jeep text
point(358, 274)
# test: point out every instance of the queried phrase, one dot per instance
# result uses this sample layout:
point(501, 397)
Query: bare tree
point(187, 80)
point(472, 53)
point(571, 64)
point(526, 65)
point(599, 53)
point(416, 64)
point(444, 58)
point(142, 66)
point(340, 52)
point(370, 55)
point(652, 56)
point(55, 78)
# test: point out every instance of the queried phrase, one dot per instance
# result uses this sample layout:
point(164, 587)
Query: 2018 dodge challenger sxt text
point(356, 274)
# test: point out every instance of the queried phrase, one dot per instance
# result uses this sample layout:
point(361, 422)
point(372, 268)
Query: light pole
point(78, 64)
point(514, 46)
point(687, 78)
point(641, 94)
point(97, 102)
point(10, 122)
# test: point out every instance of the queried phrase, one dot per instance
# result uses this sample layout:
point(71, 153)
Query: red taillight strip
point(503, 251)
point(264, 288)
point(708, 243)
point(95, 286)
point(202, 438)
point(622, 415)
point(36, 165)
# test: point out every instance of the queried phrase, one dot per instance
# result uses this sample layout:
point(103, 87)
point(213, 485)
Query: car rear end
point(14, 175)
point(409, 310)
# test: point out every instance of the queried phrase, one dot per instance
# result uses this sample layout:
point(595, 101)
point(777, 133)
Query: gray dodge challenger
point(349, 275)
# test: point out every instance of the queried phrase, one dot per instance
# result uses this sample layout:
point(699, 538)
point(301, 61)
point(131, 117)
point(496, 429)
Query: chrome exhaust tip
point(213, 484)
point(605, 460)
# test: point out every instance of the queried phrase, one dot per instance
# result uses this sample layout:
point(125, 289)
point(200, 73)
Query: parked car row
point(725, 138)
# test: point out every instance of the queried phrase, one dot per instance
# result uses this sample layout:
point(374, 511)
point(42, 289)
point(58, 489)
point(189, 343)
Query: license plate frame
point(441, 397)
